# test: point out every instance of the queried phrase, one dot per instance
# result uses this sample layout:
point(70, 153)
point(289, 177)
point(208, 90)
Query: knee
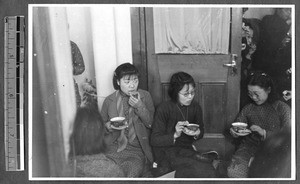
point(237, 170)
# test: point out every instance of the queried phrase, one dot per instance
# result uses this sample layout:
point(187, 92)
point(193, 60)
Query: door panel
point(217, 90)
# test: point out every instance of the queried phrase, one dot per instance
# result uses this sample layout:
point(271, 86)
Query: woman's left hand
point(135, 102)
point(258, 129)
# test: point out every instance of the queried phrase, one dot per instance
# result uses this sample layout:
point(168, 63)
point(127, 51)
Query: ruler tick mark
point(14, 146)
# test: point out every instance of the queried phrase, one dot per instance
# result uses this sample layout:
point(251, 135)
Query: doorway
point(217, 83)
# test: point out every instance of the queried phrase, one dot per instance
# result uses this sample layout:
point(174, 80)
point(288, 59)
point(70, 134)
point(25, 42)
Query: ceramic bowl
point(239, 126)
point(117, 121)
point(192, 127)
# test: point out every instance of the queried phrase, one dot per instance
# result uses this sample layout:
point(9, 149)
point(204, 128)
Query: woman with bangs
point(129, 145)
point(171, 139)
point(265, 117)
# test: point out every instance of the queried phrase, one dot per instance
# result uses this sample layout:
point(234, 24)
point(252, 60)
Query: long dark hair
point(88, 132)
point(273, 158)
point(121, 71)
point(263, 80)
point(178, 80)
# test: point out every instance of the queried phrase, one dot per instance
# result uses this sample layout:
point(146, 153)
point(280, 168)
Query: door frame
point(140, 60)
point(139, 47)
point(218, 141)
point(235, 42)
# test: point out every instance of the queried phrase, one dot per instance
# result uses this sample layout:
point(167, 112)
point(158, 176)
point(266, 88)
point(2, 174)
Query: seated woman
point(129, 145)
point(88, 146)
point(171, 139)
point(265, 116)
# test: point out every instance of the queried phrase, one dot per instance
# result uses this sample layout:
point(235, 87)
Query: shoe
point(159, 171)
point(211, 154)
point(207, 157)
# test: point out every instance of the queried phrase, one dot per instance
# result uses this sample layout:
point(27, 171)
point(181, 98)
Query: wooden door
point(217, 89)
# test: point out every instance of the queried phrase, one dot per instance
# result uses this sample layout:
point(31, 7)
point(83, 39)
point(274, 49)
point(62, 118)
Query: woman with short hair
point(265, 116)
point(129, 145)
point(171, 138)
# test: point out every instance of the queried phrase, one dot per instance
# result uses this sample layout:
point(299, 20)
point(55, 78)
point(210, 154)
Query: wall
point(79, 20)
point(103, 34)
point(16, 7)
point(258, 13)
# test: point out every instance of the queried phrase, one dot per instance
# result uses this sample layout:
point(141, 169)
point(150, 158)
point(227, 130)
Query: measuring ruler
point(14, 40)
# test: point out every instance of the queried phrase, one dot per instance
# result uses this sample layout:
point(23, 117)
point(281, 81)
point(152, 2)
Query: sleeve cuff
point(264, 135)
point(175, 137)
point(140, 108)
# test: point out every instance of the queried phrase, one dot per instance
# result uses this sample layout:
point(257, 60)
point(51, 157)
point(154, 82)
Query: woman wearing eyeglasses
point(129, 142)
point(264, 117)
point(171, 137)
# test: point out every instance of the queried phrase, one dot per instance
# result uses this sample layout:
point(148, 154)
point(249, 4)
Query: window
point(191, 30)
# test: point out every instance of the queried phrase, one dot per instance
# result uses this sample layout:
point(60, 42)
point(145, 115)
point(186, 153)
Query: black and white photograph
point(170, 91)
point(150, 93)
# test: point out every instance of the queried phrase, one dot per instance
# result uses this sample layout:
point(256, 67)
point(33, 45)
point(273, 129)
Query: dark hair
point(88, 132)
point(273, 158)
point(121, 71)
point(283, 13)
point(178, 80)
point(263, 80)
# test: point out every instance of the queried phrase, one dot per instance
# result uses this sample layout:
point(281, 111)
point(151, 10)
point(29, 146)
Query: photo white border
point(30, 57)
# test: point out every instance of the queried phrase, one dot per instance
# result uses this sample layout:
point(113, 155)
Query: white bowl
point(192, 126)
point(239, 124)
point(117, 119)
point(118, 123)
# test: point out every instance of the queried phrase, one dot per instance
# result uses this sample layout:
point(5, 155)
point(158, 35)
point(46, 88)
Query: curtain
point(52, 58)
point(111, 30)
point(191, 30)
point(104, 40)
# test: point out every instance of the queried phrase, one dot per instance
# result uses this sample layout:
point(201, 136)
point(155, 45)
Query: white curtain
point(56, 42)
point(105, 43)
point(191, 30)
point(111, 30)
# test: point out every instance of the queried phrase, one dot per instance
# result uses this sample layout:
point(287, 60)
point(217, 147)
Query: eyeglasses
point(251, 95)
point(127, 81)
point(192, 93)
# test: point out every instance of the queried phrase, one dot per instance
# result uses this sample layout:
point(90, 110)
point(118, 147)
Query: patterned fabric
point(142, 122)
point(238, 167)
point(131, 159)
point(78, 97)
point(131, 130)
point(122, 139)
point(89, 97)
point(272, 118)
point(77, 59)
point(78, 68)
point(124, 109)
point(129, 114)
point(97, 165)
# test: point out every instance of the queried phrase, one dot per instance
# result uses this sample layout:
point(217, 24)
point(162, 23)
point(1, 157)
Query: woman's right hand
point(233, 133)
point(179, 127)
point(108, 126)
